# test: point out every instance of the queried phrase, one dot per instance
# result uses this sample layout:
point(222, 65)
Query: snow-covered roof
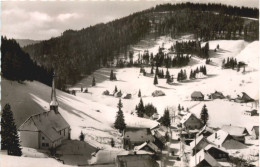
point(205, 128)
point(185, 118)
point(203, 155)
point(198, 139)
point(149, 144)
point(235, 130)
point(138, 134)
point(197, 94)
point(49, 123)
point(218, 137)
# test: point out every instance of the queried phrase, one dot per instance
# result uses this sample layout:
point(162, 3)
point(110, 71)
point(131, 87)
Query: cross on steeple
point(54, 103)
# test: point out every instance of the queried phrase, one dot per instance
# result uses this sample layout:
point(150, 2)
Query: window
point(43, 137)
point(43, 144)
point(47, 144)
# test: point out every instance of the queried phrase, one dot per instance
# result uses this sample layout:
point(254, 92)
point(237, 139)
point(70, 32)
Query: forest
point(17, 65)
point(75, 54)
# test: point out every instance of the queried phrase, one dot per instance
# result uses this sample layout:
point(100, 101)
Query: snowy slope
point(80, 113)
point(229, 82)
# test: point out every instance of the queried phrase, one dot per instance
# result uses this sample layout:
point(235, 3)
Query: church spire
point(54, 103)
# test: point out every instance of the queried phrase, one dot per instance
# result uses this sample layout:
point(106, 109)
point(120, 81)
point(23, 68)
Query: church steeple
point(54, 103)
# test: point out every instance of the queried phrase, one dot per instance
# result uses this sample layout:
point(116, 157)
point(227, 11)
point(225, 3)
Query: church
point(47, 129)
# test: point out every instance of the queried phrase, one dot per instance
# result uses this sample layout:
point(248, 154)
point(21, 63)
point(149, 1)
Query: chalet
point(147, 146)
point(136, 160)
point(45, 130)
point(210, 156)
point(158, 93)
point(238, 133)
point(223, 139)
point(190, 121)
point(197, 96)
point(127, 96)
point(135, 136)
point(244, 99)
point(106, 92)
point(118, 94)
point(198, 144)
point(255, 132)
point(217, 95)
point(160, 133)
point(206, 131)
point(251, 113)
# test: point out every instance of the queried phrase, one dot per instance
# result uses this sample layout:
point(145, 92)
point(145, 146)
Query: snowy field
point(94, 113)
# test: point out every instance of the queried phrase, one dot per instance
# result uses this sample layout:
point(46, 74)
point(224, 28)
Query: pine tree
point(112, 142)
point(152, 70)
point(204, 116)
point(111, 75)
point(81, 136)
point(155, 81)
point(167, 74)
point(115, 90)
point(139, 93)
point(10, 138)
point(140, 109)
point(93, 81)
point(179, 107)
point(120, 120)
point(205, 70)
point(165, 120)
point(191, 74)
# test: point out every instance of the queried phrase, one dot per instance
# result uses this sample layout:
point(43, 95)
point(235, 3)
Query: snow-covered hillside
point(89, 116)
point(229, 82)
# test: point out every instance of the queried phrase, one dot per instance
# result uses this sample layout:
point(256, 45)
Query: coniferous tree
point(140, 109)
point(112, 142)
point(191, 74)
point(204, 116)
point(152, 70)
point(10, 139)
point(111, 75)
point(150, 109)
point(179, 107)
point(81, 136)
point(167, 74)
point(120, 120)
point(115, 90)
point(155, 81)
point(93, 81)
point(139, 93)
point(166, 120)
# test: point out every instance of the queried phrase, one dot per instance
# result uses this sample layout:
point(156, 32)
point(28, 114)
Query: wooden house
point(190, 121)
point(136, 136)
point(238, 133)
point(136, 160)
point(197, 96)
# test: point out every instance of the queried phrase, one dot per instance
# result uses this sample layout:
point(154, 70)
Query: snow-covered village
point(169, 85)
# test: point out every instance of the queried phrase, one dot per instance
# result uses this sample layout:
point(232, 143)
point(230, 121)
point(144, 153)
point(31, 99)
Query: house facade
point(190, 121)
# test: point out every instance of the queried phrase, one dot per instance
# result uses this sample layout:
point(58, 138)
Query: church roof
point(49, 123)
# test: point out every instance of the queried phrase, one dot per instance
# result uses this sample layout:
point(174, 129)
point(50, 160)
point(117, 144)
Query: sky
point(40, 20)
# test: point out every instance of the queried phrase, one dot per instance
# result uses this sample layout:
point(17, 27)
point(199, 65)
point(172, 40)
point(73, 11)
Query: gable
point(28, 125)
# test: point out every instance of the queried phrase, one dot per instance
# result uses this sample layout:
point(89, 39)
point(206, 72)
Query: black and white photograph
point(129, 83)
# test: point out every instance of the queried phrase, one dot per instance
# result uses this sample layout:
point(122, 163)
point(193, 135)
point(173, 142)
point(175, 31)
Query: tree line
point(78, 53)
point(18, 66)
